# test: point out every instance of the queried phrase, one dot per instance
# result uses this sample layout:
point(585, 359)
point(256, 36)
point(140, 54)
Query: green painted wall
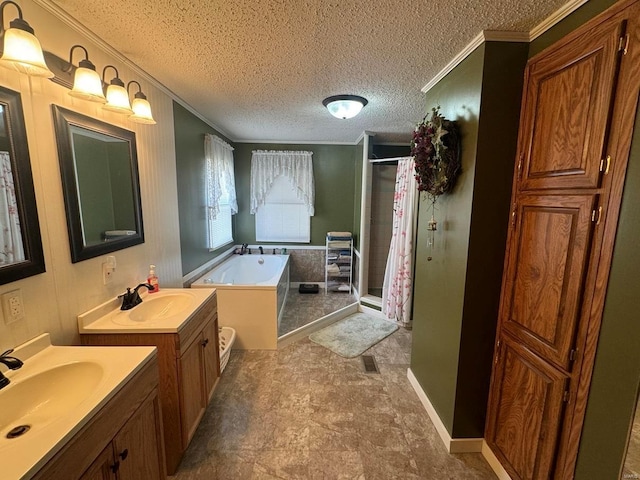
point(616, 376)
point(439, 284)
point(502, 83)
point(334, 177)
point(458, 291)
point(189, 137)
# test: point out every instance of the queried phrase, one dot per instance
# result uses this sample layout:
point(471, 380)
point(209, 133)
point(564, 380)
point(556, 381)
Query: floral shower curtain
point(12, 249)
point(398, 276)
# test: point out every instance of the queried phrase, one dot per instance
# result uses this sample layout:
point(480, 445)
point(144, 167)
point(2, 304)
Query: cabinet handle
point(124, 454)
point(115, 467)
point(204, 342)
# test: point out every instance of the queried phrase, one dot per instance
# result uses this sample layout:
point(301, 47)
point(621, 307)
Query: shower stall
point(378, 190)
point(383, 181)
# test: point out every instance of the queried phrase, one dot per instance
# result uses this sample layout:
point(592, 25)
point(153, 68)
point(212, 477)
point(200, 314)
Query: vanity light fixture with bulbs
point(22, 52)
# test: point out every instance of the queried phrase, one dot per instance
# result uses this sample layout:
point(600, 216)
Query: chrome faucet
point(131, 298)
point(12, 362)
point(244, 248)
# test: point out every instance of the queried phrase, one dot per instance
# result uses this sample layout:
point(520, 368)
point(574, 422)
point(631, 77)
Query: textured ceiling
point(259, 70)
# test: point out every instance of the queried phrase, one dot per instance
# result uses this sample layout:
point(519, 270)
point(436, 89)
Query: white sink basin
point(55, 393)
point(156, 308)
point(161, 312)
point(37, 400)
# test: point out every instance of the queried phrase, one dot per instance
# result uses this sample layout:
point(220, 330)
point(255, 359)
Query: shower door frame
point(365, 224)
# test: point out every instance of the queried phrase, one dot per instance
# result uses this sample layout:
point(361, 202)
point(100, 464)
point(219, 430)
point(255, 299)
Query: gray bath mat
point(353, 335)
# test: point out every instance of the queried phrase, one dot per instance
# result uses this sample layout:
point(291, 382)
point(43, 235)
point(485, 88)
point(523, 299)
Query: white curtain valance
point(266, 166)
point(219, 175)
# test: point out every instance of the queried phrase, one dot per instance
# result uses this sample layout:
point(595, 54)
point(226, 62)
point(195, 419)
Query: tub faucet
point(244, 248)
point(12, 362)
point(131, 298)
point(261, 250)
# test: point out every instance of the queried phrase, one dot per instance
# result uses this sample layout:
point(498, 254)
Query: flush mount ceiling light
point(344, 106)
point(21, 50)
point(87, 84)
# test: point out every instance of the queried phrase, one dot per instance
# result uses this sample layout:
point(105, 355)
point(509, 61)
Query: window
point(282, 195)
point(283, 217)
point(220, 191)
point(220, 231)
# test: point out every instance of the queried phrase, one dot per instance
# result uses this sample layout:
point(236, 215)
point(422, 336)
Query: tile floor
point(303, 412)
point(303, 308)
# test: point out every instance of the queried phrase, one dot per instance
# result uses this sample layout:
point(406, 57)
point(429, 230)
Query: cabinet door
point(103, 468)
point(566, 112)
point(136, 446)
point(545, 272)
point(192, 388)
point(526, 409)
point(211, 356)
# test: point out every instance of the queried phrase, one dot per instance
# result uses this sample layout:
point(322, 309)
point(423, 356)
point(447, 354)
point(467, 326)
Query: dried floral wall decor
point(436, 149)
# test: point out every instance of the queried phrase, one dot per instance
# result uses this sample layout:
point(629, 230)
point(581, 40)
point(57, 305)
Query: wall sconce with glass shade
point(87, 84)
point(141, 107)
point(345, 106)
point(21, 49)
point(117, 95)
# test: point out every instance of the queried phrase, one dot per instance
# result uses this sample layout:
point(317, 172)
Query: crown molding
point(455, 61)
point(63, 16)
point(293, 142)
point(505, 36)
point(564, 11)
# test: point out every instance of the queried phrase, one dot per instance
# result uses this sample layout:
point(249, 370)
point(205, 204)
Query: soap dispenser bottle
point(152, 279)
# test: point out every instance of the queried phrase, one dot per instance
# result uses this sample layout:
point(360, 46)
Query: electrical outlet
point(12, 306)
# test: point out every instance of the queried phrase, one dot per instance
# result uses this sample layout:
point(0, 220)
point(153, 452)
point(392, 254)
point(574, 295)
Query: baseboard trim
point(453, 445)
point(494, 463)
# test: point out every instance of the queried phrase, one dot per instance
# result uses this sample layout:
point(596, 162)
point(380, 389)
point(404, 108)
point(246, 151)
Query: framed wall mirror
point(21, 253)
point(100, 182)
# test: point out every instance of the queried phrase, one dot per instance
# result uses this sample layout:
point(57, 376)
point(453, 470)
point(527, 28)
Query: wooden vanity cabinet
point(123, 441)
point(133, 454)
point(189, 370)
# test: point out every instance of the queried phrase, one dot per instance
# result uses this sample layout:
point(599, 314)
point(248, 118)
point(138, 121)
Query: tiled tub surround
point(252, 291)
point(303, 412)
point(307, 265)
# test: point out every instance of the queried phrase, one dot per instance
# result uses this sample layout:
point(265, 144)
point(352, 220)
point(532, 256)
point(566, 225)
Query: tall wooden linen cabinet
point(578, 111)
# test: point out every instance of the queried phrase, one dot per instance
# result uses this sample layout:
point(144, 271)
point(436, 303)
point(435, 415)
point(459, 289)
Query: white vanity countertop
point(175, 307)
point(102, 372)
